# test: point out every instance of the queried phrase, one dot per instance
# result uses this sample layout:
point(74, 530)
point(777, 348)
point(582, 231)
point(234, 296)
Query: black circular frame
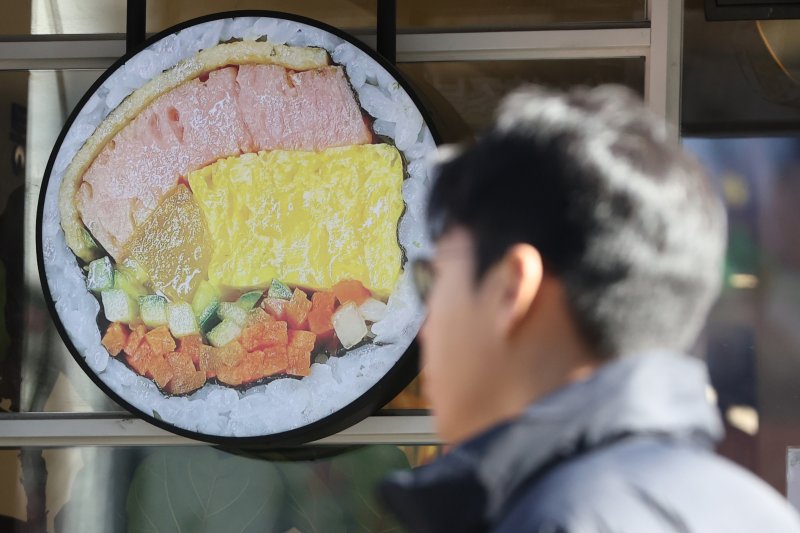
point(389, 386)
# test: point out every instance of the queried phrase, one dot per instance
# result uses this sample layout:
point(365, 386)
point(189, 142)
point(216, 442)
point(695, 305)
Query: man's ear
point(516, 283)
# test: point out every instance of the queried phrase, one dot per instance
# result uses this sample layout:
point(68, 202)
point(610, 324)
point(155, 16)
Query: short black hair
point(621, 215)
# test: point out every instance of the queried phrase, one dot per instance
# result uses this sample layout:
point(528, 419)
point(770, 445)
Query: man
point(578, 251)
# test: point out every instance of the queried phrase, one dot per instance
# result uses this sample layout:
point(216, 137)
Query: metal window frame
point(659, 42)
point(94, 429)
point(100, 53)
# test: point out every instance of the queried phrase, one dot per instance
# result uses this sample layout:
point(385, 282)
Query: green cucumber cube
point(248, 300)
point(118, 306)
point(101, 275)
point(223, 333)
point(205, 304)
point(153, 309)
point(279, 290)
point(232, 312)
point(181, 319)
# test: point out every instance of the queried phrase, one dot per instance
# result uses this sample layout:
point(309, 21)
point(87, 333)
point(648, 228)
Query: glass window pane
point(99, 489)
point(411, 398)
point(70, 17)
point(37, 373)
point(751, 341)
point(740, 82)
point(739, 77)
point(462, 95)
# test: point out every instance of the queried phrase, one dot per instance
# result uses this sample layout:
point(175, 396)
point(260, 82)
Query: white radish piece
point(349, 325)
point(372, 310)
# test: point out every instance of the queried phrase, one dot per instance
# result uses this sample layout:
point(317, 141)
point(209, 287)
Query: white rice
point(283, 404)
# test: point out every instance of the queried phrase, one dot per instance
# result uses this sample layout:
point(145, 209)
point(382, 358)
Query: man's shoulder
point(648, 484)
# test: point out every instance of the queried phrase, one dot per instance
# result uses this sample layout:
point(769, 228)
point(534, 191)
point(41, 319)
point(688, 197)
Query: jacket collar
point(468, 488)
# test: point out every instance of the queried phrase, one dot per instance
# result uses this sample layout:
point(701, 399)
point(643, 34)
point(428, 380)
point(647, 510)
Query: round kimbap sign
point(224, 228)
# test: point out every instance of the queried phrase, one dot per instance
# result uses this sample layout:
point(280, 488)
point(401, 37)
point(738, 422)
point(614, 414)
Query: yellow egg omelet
point(305, 218)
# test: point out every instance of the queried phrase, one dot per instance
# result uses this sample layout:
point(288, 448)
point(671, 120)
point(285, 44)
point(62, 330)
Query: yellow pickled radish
point(308, 219)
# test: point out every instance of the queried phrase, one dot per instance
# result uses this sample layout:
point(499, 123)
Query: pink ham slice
point(309, 110)
point(236, 110)
point(183, 130)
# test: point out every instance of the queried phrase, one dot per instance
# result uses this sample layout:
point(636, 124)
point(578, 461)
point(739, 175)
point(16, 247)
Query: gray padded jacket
point(626, 451)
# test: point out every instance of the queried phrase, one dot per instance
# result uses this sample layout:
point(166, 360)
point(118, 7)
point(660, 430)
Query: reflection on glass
point(410, 398)
point(68, 16)
point(751, 342)
point(463, 94)
point(199, 489)
point(13, 92)
point(36, 371)
point(753, 85)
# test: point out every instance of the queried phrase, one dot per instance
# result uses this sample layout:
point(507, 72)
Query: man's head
point(573, 232)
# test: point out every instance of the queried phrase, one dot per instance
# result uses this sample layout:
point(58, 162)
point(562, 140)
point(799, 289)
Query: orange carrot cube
point(351, 290)
point(249, 369)
point(229, 355)
point(299, 362)
point(301, 343)
point(116, 338)
point(139, 360)
point(160, 371)
point(264, 334)
point(185, 377)
point(160, 340)
point(135, 339)
point(257, 316)
point(297, 310)
point(320, 316)
point(275, 360)
point(191, 345)
point(275, 307)
point(207, 360)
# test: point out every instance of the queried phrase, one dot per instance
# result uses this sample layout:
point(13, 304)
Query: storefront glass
point(199, 489)
point(740, 118)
